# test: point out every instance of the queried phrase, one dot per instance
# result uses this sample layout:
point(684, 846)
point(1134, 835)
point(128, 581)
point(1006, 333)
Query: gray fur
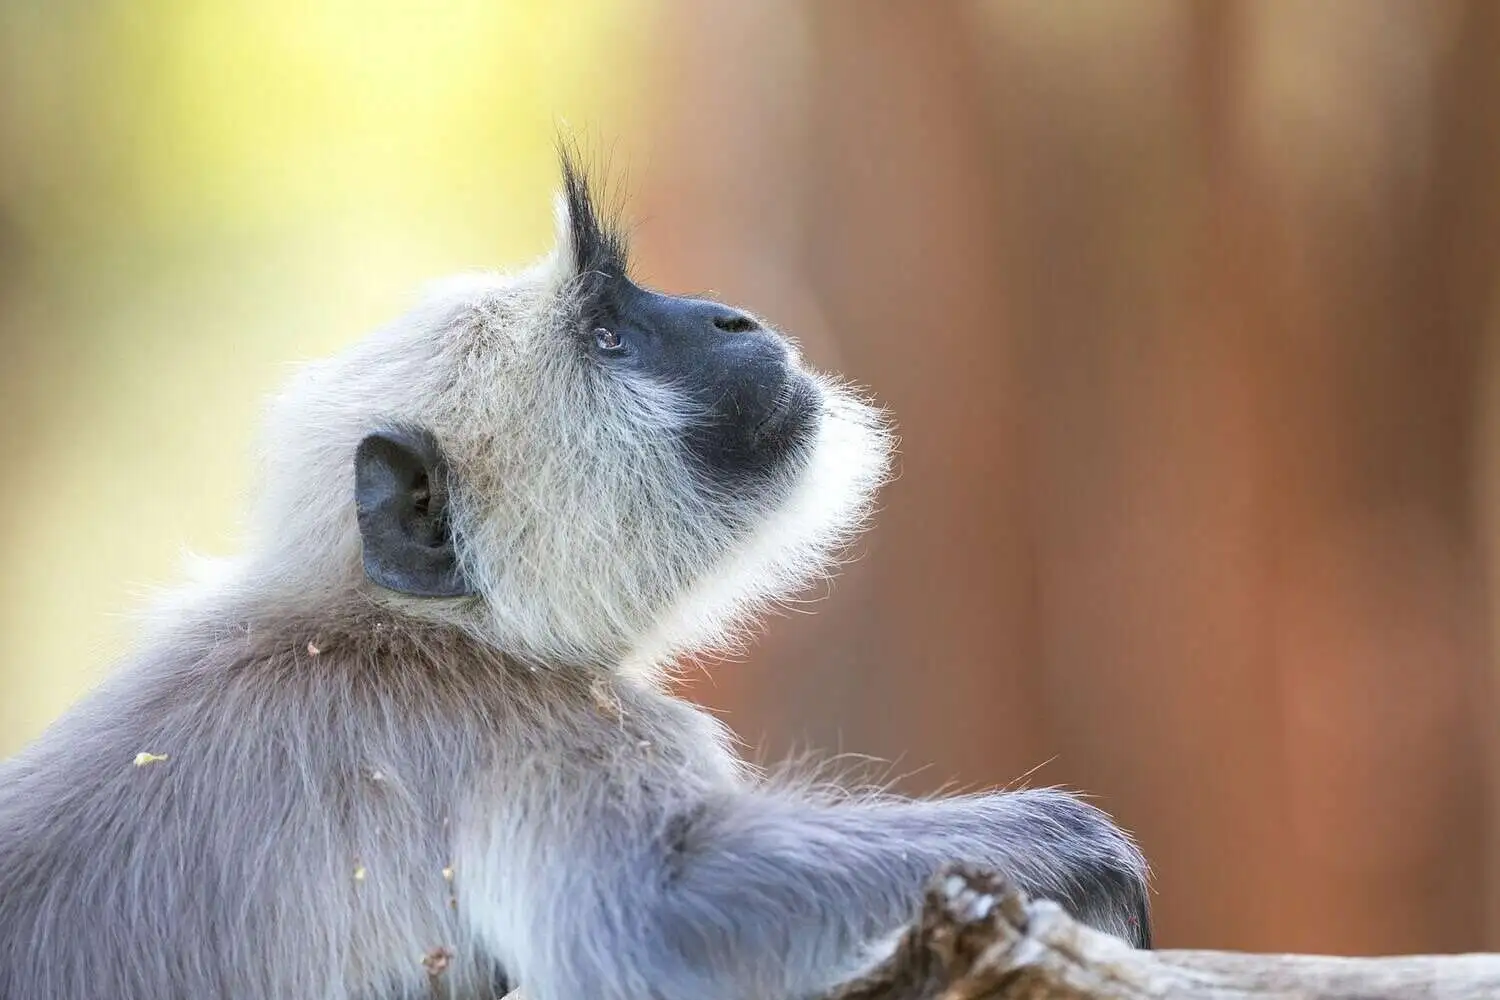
point(354, 781)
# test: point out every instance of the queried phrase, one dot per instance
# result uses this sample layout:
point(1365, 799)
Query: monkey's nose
point(734, 321)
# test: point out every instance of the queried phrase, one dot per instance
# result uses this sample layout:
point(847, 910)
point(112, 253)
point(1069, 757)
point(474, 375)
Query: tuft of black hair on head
point(597, 238)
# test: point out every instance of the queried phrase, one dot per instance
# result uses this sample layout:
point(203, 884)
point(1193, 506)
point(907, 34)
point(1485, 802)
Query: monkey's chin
point(795, 415)
point(839, 467)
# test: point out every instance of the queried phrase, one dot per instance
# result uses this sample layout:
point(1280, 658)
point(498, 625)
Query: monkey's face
point(746, 410)
point(582, 468)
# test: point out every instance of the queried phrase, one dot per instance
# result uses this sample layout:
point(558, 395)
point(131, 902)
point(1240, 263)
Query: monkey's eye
point(607, 340)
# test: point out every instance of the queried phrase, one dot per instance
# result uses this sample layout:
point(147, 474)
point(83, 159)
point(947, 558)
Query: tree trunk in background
point(895, 120)
point(1376, 593)
point(1182, 311)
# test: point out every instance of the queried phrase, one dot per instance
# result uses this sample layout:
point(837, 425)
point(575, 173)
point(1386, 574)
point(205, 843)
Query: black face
point(757, 406)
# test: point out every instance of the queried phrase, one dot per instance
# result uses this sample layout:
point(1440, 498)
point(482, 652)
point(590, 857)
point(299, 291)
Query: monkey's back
point(290, 832)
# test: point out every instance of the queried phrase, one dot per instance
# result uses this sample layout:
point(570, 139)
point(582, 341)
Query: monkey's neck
point(353, 631)
point(258, 614)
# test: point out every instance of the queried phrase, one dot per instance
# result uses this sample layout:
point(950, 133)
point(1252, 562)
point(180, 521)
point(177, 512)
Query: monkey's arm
point(771, 895)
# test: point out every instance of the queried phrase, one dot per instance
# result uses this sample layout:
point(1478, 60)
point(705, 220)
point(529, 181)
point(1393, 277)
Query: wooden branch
point(980, 939)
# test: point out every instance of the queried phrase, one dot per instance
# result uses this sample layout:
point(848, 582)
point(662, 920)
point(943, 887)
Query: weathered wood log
point(981, 939)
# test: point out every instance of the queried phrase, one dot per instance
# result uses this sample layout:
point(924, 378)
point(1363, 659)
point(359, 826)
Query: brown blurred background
point(1186, 312)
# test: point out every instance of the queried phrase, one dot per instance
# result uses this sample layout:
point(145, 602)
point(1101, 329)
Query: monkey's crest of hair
point(586, 536)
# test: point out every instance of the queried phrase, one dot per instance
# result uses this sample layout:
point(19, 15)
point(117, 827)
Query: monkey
point(418, 738)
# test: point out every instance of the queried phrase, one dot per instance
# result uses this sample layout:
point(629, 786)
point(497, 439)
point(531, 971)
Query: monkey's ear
point(401, 496)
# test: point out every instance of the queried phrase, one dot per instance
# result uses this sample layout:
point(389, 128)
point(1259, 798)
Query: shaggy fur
point(359, 794)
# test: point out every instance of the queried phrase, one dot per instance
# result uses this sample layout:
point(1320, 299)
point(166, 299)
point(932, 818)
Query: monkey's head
point(569, 465)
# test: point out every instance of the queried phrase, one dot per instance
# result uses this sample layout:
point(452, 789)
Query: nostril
point(736, 323)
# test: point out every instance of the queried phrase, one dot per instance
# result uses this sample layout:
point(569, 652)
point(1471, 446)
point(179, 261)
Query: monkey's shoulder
point(349, 717)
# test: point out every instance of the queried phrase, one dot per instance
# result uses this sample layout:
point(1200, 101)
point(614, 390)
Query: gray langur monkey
point(416, 740)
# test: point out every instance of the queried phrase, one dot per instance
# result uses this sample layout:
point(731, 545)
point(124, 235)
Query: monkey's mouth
point(791, 412)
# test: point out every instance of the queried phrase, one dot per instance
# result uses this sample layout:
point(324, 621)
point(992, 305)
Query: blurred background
point(1186, 311)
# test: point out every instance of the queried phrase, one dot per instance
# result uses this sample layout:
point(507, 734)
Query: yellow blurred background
point(195, 196)
point(1186, 311)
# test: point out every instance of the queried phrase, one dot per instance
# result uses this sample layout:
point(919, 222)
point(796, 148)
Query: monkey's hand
point(771, 894)
point(1056, 846)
